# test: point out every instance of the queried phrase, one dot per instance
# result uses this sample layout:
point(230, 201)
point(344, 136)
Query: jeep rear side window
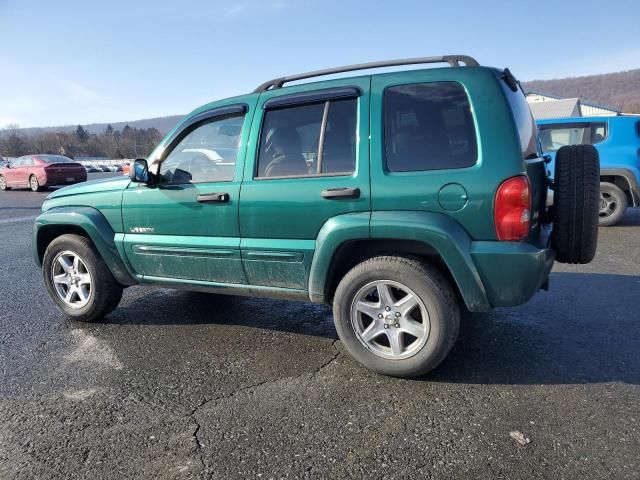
point(428, 126)
point(309, 140)
point(524, 121)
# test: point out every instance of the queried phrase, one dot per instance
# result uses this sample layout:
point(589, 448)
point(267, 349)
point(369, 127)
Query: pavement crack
point(198, 450)
point(324, 365)
point(198, 444)
point(335, 356)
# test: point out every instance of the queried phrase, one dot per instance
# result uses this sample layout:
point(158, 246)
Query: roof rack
point(453, 60)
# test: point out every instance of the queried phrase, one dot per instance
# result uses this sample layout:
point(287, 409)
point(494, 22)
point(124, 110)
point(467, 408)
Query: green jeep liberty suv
point(394, 197)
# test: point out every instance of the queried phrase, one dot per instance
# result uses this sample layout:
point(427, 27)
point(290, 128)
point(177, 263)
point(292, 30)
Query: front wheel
point(78, 280)
point(396, 316)
point(3, 184)
point(613, 203)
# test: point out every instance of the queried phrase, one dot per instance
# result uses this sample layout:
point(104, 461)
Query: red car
point(37, 171)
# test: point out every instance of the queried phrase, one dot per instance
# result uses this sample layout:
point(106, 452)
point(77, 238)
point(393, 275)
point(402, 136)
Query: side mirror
point(139, 171)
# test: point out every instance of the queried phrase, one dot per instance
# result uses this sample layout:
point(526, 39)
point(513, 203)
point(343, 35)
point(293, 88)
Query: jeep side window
point(207, 154)
point(598, 132)
point(555, 136)
point(292, 139)
point(428, 126)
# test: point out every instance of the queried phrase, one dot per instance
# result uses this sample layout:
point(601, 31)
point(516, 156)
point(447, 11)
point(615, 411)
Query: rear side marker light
point(512, 209)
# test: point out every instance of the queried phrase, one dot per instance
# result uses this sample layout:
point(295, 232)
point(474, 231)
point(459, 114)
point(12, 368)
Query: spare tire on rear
point(576, 195)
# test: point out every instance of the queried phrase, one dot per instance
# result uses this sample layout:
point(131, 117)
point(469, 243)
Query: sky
point(71, 62)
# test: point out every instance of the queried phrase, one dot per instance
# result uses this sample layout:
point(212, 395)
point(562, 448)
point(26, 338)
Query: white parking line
point(17, 219)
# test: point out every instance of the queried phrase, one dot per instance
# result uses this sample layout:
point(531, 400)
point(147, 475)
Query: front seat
point(283, 153)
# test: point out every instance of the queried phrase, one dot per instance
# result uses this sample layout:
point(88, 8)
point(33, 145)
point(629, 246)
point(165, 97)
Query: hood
point(92, 186)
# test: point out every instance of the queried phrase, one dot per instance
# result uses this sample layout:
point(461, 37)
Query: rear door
point(424, 150)
point(307, 162)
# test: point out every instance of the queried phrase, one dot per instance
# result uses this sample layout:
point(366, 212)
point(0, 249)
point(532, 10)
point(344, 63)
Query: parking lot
point(176, 384)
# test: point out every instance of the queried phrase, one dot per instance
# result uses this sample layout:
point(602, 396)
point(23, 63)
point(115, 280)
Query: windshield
point(55, 159)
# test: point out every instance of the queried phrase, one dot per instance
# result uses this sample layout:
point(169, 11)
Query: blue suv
point(617, 140)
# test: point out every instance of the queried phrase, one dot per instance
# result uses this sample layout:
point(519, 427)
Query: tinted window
point(291, 140)
point(428, 126)
point(339, 150)
point(598, 133)
point(22, 162)
point(552, 137)
point(524, 121)
point(55, 158)
point(207, 154)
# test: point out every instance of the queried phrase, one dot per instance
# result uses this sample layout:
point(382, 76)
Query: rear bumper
point(62, 179)
point(511, 272)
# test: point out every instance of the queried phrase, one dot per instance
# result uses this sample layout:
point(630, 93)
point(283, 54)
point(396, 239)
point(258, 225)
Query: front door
point(308, 161)
point(186, 226)
point(16, 176)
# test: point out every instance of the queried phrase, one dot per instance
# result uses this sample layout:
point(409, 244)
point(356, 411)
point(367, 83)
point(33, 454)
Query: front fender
point(90, 221)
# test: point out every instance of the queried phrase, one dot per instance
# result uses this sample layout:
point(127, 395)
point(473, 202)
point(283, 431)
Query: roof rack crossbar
point(453, 60)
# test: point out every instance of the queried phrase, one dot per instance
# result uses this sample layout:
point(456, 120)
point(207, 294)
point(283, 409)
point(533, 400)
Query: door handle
point(213, 198)
point(342, 192)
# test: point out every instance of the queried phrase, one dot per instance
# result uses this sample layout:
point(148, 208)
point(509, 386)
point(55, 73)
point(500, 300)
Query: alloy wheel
point(71, 279)
point(608, 205)
point(389, 319)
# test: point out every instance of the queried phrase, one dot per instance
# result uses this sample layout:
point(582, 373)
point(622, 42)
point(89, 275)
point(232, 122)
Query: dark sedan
point(37, 171)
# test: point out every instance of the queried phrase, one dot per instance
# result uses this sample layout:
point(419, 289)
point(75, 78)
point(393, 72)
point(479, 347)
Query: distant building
point(549, 106)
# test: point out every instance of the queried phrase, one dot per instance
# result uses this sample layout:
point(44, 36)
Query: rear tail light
point(512, 209)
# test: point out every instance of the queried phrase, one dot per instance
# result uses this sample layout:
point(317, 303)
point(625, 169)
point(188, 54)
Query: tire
point(613, 204)
point(437, 334)
point(34, 185)
point(3, 184)
point(576, 199)
point(101, 295)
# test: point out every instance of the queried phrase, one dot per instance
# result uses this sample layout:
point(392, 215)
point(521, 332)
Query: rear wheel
point(613, 203)
point(34, 185)
point(396, 316)
point(576, 199)
point(78, 280)
point(3, 184)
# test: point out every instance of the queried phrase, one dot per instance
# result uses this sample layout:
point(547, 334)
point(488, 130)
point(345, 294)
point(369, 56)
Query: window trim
point(385, 168)
point(323, 124)
point(315, 96)
point(208, 116)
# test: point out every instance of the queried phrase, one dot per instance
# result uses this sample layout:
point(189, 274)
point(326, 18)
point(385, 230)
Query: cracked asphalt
point(176, 384)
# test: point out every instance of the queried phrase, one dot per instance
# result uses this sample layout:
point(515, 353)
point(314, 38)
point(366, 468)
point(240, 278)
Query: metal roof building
point(568, 107)
point(550, 106)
